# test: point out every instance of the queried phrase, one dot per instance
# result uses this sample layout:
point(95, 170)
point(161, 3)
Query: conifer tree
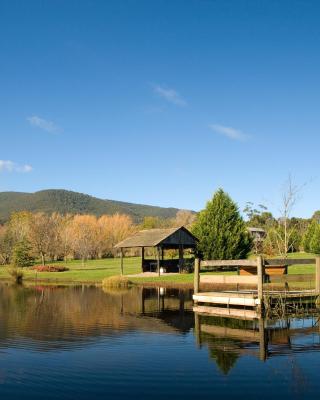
point(309, 235)
point(221, 230)
point(21, 256)
point(315, 240)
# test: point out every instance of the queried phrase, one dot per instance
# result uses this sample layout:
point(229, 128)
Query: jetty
point(259, 284)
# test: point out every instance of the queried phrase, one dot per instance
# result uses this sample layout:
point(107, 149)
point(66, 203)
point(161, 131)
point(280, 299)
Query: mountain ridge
point(67, 201)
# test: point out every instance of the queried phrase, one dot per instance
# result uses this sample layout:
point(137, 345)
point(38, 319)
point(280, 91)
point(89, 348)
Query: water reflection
point(55, 315)
point(83, 342)
point(227, 339)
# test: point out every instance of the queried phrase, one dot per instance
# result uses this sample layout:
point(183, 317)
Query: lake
point(87, 343)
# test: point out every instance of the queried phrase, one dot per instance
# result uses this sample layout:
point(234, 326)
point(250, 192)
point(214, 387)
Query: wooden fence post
point(260, 273)
point(317, 286)
point(196, 275)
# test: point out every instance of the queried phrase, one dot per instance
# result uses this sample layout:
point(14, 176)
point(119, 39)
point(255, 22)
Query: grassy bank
point(95, 270)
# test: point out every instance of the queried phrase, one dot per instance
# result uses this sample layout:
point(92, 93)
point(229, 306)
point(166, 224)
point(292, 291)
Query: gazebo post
point(121, 261)
point(158, 260)
point(142, 258)
point(162, 257)
point(180, 257)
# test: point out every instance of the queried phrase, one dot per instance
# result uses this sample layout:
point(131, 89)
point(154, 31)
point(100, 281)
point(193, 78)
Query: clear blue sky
point(161, 102)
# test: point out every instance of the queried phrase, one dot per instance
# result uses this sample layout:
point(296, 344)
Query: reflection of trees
point(227, 339)
point(77, 314)
point(224, 351)
point(225, 359)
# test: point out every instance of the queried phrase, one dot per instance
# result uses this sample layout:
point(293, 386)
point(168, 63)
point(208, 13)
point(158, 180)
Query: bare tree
point(284, 234)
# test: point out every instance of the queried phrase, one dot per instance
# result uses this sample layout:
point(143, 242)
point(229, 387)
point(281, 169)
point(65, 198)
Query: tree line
point(220, 228)
point(29, 237)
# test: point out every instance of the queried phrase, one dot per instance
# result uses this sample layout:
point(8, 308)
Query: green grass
point(96, 270)
point(301, 269)
point(93, 271)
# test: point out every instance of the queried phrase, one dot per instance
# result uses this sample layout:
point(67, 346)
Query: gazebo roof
point(156, 237)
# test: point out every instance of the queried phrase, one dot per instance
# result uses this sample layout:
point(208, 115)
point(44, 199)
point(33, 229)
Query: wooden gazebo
point(161, 239)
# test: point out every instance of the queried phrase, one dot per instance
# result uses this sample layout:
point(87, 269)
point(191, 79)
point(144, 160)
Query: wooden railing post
point(317, 286)
point(196, 285)
point(260, 273)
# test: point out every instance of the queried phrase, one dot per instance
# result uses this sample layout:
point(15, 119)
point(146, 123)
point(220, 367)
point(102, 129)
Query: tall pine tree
point(221, 230)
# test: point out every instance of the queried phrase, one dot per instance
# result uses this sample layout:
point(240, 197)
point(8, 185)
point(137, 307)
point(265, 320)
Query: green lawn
point(95, 270)
point(301, 269)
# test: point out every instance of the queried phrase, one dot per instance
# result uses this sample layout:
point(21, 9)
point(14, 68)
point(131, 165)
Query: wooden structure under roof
point(162, 239)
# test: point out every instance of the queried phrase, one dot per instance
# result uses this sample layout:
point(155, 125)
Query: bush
point(16, 274)
point(119, 282)
point(50, 268)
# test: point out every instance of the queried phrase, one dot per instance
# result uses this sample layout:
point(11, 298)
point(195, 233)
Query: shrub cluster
point(16, 275)
point(118, 282)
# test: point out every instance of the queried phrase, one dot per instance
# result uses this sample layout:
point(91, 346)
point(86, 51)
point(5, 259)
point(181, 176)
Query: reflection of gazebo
point(161, 239)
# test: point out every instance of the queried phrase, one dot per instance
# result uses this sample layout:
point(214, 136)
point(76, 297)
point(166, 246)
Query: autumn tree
point(85, 234)
point(6, 244)
point(18, 225)
point(114, 228)
point(64, 227)
point(41, 234)
point(184, 218)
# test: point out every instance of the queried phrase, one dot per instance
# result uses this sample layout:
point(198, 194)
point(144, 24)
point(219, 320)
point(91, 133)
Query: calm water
point(84, 343)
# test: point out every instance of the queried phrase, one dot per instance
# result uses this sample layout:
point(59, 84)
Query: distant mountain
point(64, 201)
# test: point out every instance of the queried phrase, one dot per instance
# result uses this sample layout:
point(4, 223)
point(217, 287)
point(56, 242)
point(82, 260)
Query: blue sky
point(161, 102)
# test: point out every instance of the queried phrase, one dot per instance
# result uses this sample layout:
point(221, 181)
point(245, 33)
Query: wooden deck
point(250, 298)
point(260, 298)
point(231, 298)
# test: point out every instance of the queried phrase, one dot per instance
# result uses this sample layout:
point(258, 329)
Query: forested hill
point(64, 201)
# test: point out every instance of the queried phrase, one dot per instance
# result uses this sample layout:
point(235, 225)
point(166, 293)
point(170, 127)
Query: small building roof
point(252, 229)
point(172, 237)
